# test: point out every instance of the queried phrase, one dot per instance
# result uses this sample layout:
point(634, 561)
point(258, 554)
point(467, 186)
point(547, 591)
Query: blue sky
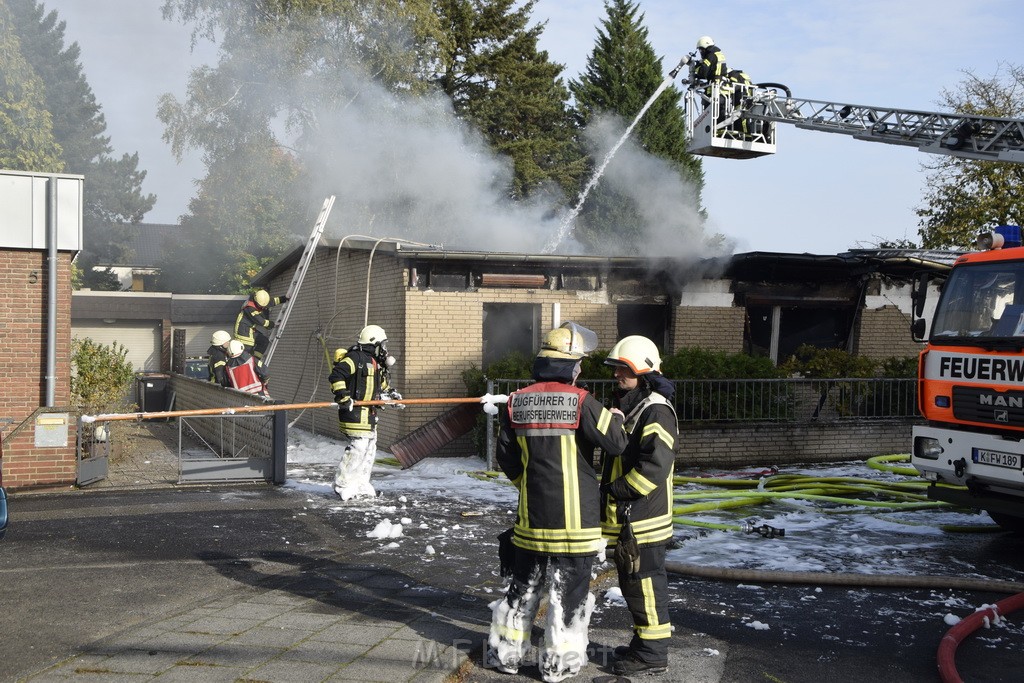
point(820, 193)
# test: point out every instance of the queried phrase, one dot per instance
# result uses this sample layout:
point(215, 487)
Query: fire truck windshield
point(982, 301)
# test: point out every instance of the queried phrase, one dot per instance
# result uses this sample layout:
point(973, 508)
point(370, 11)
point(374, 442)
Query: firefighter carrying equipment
point(358, 375)
point(637, 353)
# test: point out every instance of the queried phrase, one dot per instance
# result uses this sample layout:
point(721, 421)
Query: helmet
point(637, 353)
point(568, 341)
point(235, 348)
point(220, 338)
point(372, 334)
point(705, 42)
point(262, 298)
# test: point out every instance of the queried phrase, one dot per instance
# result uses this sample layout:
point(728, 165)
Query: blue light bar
point(1011, 235)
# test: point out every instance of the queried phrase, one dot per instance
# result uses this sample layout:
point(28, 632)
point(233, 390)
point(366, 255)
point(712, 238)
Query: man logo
point(1002, 416)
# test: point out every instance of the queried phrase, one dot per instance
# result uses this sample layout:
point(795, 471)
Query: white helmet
point(705, 42)
point(372, 334)
point(568, 341)
point(235, 348)
point(220, 338)
point(637, 353)
point(262, 298)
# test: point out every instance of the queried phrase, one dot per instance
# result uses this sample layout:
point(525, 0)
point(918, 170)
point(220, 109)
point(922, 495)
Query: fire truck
point(971, 371)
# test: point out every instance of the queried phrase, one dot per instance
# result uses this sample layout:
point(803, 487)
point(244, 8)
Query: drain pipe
point(51, 282)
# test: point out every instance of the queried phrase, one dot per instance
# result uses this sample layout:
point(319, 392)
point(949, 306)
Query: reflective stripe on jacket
point(647, 464)
point(358, 376)
point(549, 431)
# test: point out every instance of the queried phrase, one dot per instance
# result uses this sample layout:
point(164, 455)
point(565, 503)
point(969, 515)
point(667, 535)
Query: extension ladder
point(300, 274)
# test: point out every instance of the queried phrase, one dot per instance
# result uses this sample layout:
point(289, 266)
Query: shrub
point(101, 377)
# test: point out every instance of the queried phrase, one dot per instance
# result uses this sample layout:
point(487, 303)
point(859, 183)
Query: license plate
point(999, 459)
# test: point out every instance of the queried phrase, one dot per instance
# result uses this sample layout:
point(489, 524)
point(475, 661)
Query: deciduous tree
point(27, 142)
point(963, 196)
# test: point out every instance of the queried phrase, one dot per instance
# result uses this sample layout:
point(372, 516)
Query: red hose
point(954, 636)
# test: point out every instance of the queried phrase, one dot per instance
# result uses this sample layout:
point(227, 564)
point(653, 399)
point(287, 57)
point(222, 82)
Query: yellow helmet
point(568, 341)
point(262, 298)
point(339, 354)
point(637, 353)
point(372, 334)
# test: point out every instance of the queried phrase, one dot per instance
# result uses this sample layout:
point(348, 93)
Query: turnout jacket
point(546, 447)
point(218, 360)
point(642, 475)
point(358, 376)
point(712, 67)
point(253, 320)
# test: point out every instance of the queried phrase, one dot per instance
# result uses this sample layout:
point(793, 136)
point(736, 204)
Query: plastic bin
point(153, 391)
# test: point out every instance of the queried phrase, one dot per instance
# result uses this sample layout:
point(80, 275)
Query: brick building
point(446, 311)
point(40, 235)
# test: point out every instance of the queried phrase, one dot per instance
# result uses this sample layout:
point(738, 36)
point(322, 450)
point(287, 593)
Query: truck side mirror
point(919, 293)
point(917, 329)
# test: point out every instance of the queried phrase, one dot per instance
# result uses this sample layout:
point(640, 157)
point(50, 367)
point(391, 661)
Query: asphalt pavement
point(143, 579)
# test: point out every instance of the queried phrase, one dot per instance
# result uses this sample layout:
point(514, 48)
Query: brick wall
point(717, 328)
point(23, 281)
point(777, 444)
point(883, 333)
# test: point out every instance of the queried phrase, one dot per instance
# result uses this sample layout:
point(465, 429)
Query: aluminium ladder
point(300, 274)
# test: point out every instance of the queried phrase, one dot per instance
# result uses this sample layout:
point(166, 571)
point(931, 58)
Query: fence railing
point(775, 400)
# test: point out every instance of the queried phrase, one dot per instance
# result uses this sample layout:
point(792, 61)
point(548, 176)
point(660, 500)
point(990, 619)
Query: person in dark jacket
point(548, 433)
point(360, 373)
point(253, 324)
point(636, 489)
point(217, 356)
point(712, 69)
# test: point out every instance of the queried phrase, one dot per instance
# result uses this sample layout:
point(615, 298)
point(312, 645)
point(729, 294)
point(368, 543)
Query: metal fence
point(774, 400)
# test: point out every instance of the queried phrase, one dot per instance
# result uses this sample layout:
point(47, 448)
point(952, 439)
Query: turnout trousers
point(352, 479)
point(566, 583)
point(647, 599)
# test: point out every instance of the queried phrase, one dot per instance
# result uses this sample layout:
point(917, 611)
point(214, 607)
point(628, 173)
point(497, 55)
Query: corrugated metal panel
point(142, 339)
point(433, 436)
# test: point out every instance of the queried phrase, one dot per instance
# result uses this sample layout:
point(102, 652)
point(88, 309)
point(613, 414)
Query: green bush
point(694, 363)
point(101, 377)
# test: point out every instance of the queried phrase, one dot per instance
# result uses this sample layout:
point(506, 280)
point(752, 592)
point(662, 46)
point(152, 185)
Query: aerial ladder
point(740, 124)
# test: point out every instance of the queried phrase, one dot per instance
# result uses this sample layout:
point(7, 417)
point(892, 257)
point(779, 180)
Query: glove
point(345, 403)
point(282, 299)
point(618, 489)
point(270, 324)
point(394, 395)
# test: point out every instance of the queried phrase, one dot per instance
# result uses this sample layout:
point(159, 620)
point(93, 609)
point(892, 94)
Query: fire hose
point(488, 400)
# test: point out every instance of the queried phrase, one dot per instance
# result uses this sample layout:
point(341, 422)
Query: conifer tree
point(498, 79)
point(621, 75)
